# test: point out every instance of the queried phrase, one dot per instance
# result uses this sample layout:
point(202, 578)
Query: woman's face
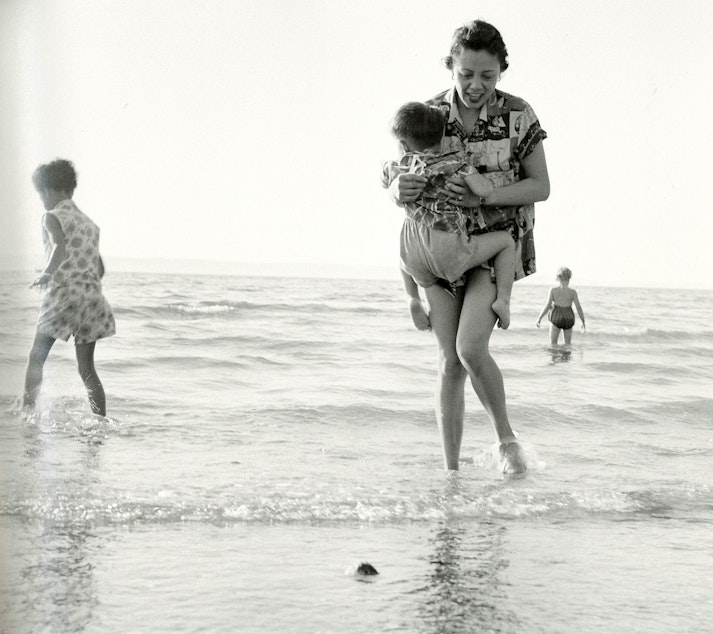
point(475, 74)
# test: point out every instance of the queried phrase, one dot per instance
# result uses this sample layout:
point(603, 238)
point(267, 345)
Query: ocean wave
point(643, 334)
point(688, 410)
point(320, 507)
point(193, 363)
point(647, 371)
point(201, 309)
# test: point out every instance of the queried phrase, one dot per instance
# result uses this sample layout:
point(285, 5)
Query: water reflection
point(561, 354)
point(58, 585)
point(56, 590)
point(464, 590)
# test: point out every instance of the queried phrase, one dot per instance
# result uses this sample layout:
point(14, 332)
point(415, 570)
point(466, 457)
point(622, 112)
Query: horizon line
point(318, 270)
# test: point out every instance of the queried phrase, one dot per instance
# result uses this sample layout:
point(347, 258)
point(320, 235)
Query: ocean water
point(266, 435)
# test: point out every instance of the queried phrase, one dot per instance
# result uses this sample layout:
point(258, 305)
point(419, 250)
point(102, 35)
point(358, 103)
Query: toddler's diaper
point(429, 254)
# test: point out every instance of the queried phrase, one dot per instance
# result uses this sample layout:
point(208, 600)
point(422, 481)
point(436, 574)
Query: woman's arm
point(550, 299)
point(531, 189)
point(56, 238)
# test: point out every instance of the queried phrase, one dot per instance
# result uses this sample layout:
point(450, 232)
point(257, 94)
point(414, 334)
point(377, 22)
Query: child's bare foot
point(419, 315)
point(501, 308)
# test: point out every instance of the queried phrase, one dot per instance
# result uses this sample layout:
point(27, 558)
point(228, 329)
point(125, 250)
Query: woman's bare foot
point(512, 458)
point(501, 308)
point(419, 315)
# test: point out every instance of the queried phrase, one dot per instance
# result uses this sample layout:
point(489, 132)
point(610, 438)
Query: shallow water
point(266, 435)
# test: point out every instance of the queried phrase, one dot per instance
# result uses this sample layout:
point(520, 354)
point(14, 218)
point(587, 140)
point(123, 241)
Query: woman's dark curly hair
point(478, 36)
point(59, 174)
point(420, 123)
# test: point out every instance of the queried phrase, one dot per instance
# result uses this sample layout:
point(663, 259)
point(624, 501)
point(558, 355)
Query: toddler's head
point(418, 126)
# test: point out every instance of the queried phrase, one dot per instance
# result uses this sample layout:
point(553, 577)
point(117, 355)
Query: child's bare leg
point(41, 347)
point(95, 389)
point(501, 246)
point(554, 334)
point(418, 312)
point(504, 279)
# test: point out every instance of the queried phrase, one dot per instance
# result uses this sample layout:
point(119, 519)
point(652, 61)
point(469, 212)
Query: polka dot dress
point(74, 304)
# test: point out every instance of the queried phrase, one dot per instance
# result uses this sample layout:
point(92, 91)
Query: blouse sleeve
point(389, 171)
point(529, 132)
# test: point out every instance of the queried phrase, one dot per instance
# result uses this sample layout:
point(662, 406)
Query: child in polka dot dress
point(73, 304)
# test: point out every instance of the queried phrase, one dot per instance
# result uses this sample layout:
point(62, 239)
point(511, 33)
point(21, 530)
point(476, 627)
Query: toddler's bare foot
point(501, 308)
point(419, 315)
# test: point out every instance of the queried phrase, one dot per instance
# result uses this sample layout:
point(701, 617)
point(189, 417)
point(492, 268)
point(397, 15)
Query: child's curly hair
point(59, 174)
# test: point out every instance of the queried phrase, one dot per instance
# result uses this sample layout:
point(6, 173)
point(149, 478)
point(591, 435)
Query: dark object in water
point(365, 568)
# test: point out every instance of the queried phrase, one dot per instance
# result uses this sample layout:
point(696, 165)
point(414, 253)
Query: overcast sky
point(253, 130)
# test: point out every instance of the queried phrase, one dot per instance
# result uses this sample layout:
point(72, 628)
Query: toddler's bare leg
point(418, 312)
point(501, 246)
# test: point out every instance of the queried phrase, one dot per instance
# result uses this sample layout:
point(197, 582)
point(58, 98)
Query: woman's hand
point(406, 188)
point(459, 193)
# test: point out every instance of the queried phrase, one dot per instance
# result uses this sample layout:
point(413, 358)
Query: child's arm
point(478, 184)
point(56, 237)
point(550, 299)
point(403, 187)
point(418, 312)
point(534, 187)
point(575, 299)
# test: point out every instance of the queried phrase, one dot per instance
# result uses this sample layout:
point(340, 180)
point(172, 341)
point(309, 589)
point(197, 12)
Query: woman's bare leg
point(41, 347)
point(95, 389)
point(450, 398)
point(476, 325)
point(567, 336)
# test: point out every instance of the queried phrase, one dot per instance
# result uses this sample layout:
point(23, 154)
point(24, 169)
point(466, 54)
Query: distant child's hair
point(59, 175)
point(478, 35)
point(563, 273)
point(419, 123)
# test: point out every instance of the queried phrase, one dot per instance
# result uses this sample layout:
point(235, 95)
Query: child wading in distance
point(438, 245)
point(73, 304)
point(559, 306)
